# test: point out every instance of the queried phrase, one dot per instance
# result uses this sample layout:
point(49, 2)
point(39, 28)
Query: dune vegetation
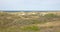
point(29, 22)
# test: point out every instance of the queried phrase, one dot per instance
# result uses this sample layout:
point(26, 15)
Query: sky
point(29, 4)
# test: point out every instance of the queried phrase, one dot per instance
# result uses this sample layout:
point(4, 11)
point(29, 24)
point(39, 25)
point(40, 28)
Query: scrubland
point(29, 21)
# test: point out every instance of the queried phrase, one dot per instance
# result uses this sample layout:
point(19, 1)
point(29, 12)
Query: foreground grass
point(32, 28)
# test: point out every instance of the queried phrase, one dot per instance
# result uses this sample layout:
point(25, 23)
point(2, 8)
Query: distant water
point(31, 11)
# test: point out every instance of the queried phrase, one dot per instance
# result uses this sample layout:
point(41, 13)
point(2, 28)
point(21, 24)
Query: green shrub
point(51, 15)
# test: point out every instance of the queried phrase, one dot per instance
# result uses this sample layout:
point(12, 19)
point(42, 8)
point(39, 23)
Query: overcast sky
point(29, 4)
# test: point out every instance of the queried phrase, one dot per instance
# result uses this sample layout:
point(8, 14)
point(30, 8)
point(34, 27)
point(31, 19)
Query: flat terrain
point(29, 21)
